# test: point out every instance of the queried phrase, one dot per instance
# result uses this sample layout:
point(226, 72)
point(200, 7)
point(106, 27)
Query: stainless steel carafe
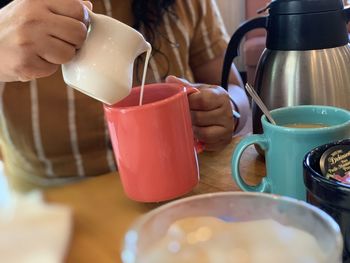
point(307, 55)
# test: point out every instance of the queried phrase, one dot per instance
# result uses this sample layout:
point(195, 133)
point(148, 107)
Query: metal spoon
point(259, 102)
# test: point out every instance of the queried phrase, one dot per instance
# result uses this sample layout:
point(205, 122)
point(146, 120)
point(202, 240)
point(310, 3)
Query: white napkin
point(32, 231)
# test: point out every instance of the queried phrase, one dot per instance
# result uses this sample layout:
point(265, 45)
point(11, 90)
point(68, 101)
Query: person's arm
point(213, 120)
point(210, 73)
point(37, 36)
point(212, 111)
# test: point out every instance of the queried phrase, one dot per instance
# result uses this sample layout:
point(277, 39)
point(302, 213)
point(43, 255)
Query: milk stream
point(148, 55)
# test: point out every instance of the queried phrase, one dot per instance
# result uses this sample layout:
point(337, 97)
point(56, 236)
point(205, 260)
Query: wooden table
point(102, 213)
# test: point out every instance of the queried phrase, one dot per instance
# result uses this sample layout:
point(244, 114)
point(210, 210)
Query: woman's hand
point(37, 36)
point(211, 110)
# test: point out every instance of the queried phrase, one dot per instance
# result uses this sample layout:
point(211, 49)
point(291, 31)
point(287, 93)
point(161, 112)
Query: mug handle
point(264, 186)
point(198, 145)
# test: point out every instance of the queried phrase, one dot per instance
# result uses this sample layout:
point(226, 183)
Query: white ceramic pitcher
point(103, 67)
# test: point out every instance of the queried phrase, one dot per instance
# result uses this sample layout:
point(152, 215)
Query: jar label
point(335, 163)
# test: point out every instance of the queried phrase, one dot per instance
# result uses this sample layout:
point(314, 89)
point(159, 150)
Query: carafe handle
point(233, 46)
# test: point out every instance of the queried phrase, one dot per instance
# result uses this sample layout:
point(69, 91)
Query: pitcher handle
point(232, 50)
point(261, 140)
point(91, 19)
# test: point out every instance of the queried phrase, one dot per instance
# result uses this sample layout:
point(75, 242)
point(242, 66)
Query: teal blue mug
point(299, 129)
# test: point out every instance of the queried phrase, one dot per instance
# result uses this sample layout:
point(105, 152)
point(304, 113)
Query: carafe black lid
point(285, 7)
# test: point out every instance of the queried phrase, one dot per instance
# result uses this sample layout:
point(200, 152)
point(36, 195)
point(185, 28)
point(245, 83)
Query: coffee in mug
point(306, 125)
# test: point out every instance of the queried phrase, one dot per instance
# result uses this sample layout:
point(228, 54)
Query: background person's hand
point(37, 36)
point(211, 110)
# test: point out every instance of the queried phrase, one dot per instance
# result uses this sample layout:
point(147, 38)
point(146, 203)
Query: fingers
point(213, 128)
point(173, 79)
point(211, 114)
point(56, 51)
point(68, 30)
point(70, 8)
point(88, 4)
point(209, 134)
point(211, 106)
point(220, 116)
point(209, 98)
point(69, 21)
point(213, 137)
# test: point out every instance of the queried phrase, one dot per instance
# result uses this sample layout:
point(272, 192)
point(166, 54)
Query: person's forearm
point(241, 102)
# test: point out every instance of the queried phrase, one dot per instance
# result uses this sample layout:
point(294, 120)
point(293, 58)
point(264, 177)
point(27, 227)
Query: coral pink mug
point(153, 143)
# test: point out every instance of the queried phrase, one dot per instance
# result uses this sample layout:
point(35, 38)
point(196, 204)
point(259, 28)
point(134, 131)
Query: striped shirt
point(52, 134)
